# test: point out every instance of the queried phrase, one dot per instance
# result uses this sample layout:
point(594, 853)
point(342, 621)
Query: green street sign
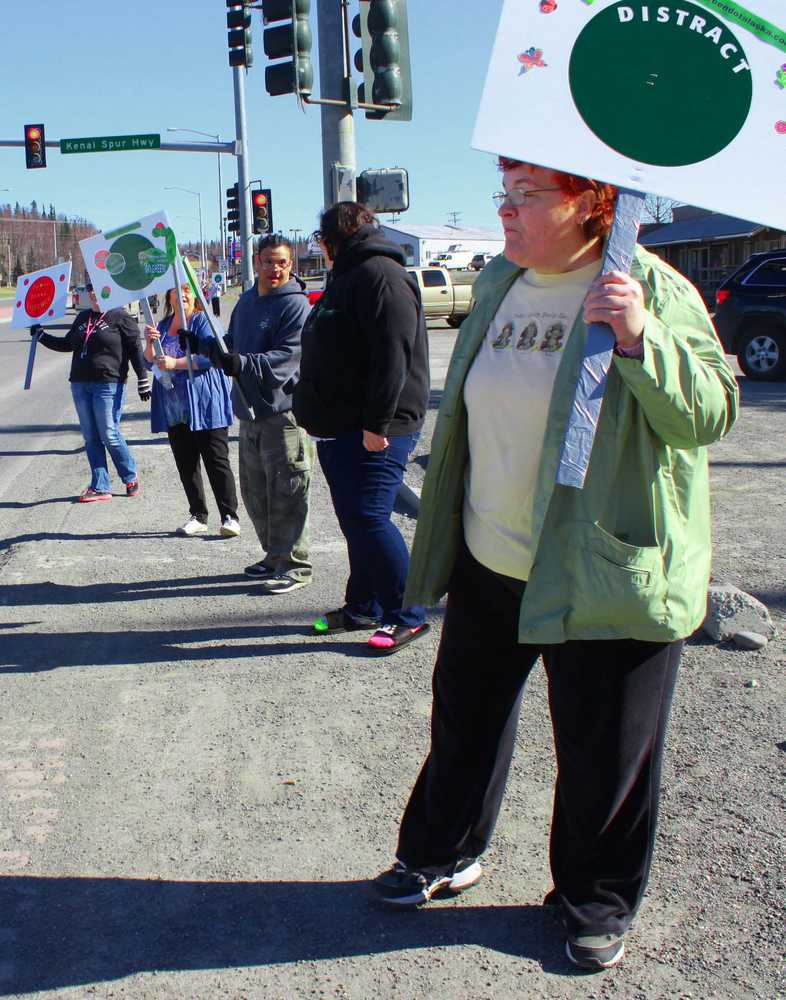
point(110, 143)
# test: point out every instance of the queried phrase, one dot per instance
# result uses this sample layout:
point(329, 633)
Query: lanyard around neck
point(91, 328)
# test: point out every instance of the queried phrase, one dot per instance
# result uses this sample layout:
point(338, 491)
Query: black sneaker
point(260, 570)
point(595, 951)
point(402, 886)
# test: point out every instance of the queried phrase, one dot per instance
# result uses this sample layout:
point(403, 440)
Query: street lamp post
point(295, 234)
point(202, 258)
point(221, 227)
point(8, 247)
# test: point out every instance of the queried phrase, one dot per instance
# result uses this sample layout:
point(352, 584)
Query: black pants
point(213, 448)
point(215, 302)
point(609, 703)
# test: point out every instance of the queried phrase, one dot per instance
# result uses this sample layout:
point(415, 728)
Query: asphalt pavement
point(194, 789)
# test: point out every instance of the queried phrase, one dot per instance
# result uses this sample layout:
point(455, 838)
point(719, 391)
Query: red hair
point(599, 221)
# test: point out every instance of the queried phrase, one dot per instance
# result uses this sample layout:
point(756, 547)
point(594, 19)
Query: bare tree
point(659, 209)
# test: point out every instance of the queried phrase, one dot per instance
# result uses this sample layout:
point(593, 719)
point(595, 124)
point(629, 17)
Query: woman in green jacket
point(603, 582)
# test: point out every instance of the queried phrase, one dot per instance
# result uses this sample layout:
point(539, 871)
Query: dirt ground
point(194, 790)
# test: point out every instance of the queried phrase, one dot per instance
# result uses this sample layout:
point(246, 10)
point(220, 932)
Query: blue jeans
point(99, 406)
point(364, 485)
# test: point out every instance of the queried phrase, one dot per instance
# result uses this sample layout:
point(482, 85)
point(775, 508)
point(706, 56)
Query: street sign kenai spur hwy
point(110, 143)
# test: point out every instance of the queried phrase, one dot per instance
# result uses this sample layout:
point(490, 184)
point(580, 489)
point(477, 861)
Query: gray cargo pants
point(276, 459)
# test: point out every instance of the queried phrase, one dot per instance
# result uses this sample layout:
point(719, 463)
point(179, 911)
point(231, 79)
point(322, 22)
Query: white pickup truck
point(445, 293)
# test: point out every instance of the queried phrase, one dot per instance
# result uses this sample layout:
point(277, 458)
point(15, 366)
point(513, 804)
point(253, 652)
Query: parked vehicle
point(480, 260)
point(445, 293)
point(453, 260)
point(750, 315)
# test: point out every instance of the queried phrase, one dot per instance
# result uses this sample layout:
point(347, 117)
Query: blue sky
point(87, 68)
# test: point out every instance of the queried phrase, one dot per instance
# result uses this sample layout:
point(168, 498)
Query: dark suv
point(750, 315)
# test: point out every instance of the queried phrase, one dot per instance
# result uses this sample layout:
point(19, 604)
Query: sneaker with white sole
point(403, 886)
point(192, 527)
point(281, 583)
point(229, 527)
point(595, 951)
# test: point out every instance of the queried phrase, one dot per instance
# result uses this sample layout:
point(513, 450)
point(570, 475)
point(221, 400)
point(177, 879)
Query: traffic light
point(262, 212)
point(383, 60)
point(290, 41)
point(239, 33)
point(233, 209)
point(35, 147)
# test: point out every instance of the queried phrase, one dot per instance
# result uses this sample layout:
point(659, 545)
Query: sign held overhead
point(666, 98)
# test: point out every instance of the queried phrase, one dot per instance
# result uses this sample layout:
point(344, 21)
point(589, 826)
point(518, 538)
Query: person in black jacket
point(363, 393)
point(101, 346)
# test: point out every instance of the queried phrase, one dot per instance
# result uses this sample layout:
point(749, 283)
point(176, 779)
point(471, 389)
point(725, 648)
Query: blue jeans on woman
point(99, 406)
point(364, 485)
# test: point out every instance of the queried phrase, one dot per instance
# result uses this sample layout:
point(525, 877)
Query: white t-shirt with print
point(507, 393)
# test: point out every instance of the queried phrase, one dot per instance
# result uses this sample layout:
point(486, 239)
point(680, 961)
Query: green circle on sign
point(664, 84)
point(142, 261)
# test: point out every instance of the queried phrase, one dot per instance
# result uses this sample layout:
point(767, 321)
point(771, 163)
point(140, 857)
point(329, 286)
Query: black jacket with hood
point(365, 351)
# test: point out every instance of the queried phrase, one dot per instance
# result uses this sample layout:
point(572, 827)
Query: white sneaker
point(192, 527)
point(229, 527)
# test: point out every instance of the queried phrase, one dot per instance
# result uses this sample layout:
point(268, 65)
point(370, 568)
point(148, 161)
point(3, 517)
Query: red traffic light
point(35, 147)
point(260, 198)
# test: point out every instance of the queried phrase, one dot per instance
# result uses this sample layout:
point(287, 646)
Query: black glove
point(230, 364)
point(186, 337)
point(143, 388)
point(36, 330)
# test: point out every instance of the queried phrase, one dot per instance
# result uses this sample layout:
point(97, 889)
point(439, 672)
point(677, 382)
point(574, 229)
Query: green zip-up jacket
point(628, 556)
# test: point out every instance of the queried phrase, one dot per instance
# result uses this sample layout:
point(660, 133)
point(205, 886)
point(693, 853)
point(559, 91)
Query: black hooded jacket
point(364, 364)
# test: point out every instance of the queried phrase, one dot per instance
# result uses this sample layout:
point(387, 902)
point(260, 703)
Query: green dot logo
point(664, 84)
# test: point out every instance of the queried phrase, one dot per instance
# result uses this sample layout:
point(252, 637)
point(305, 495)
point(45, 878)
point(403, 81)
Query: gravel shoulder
point(194, 790)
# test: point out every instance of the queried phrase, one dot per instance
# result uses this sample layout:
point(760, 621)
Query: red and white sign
point(41, 296)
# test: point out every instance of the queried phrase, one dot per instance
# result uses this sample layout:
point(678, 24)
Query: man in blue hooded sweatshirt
point(276, 456)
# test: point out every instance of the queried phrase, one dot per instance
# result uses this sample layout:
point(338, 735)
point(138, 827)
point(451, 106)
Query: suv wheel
point(761, 353)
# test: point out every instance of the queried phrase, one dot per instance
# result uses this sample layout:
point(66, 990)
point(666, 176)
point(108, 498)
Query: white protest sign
point(131, 262)
point(41, 296)
point(685, 99)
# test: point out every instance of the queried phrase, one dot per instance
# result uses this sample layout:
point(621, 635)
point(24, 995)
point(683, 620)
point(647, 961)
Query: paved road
point(193, 789)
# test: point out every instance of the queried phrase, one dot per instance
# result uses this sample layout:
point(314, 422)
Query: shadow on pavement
point(36, 652)
point(66, 536)
point(74, 931)
point(71, 428)
point(766, 395)
point(46, 592)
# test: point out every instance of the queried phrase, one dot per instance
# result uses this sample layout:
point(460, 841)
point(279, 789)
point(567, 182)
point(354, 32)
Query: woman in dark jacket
point(101, 346)
point(363, 393)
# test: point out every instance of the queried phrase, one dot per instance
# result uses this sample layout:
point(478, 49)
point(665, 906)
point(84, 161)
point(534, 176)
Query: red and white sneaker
point(90, 496)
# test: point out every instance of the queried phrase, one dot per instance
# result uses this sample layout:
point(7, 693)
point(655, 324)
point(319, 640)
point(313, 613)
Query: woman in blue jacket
point(195, 414)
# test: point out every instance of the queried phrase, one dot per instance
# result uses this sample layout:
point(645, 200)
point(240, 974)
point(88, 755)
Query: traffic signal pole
point(243, 172)
point(338, 128)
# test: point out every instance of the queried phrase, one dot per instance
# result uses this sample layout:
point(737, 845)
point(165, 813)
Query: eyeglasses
point(517, 196)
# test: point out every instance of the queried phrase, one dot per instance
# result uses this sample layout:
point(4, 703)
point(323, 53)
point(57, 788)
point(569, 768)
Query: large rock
point(731, 611)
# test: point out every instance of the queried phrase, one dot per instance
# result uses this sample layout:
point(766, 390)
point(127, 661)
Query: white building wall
point(420, 251)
